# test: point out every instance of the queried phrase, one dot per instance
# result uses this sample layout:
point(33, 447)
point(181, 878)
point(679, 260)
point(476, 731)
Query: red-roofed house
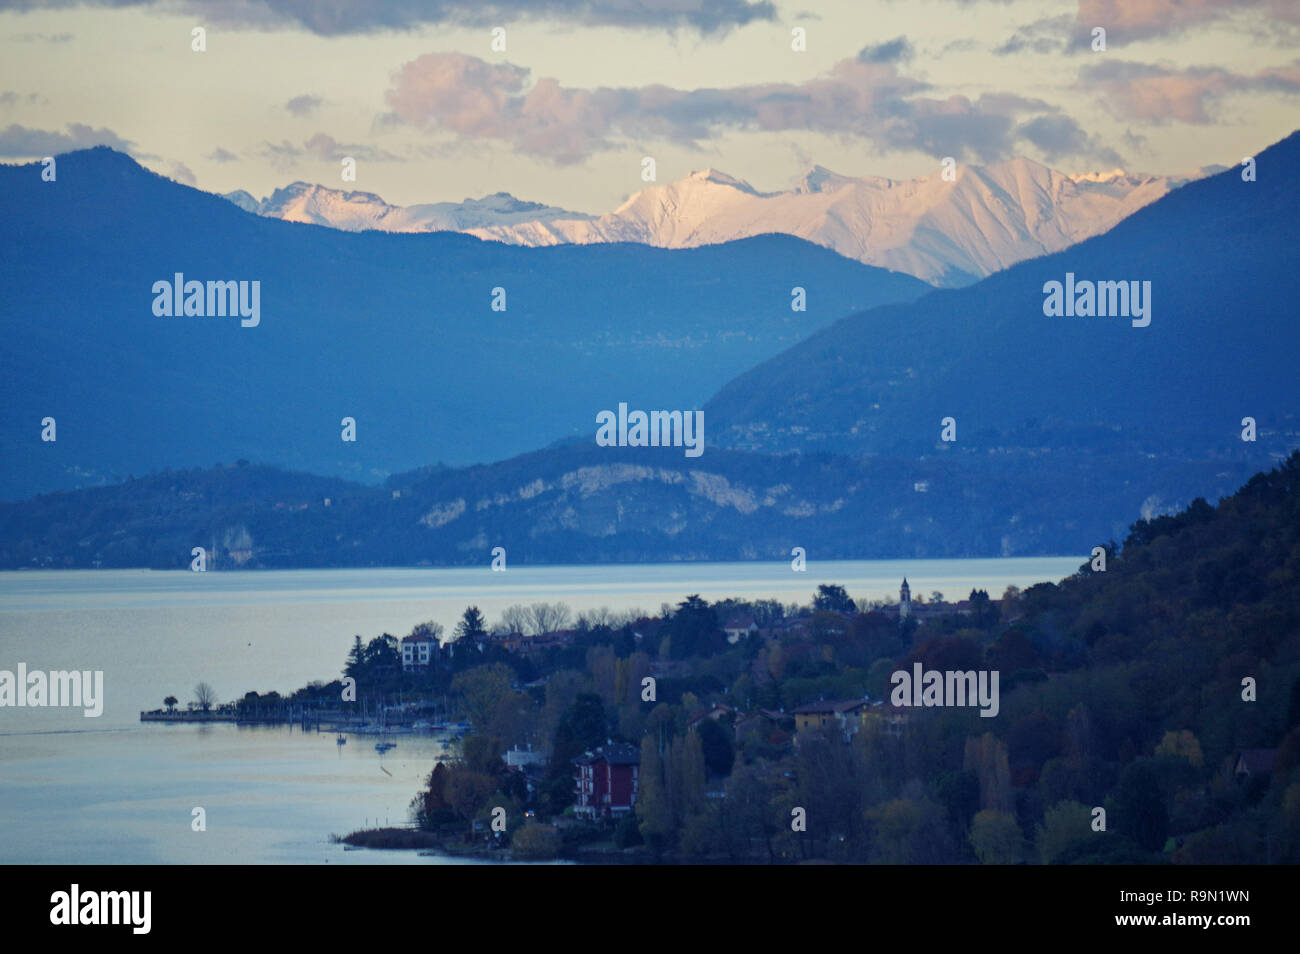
point(714, 712)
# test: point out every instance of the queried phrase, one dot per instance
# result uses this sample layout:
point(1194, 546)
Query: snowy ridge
point(947, 233)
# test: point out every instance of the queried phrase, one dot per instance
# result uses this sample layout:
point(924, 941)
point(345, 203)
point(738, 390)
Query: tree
point(835, 789)
point(686, 777)
point(1065, 826)
point(585, 723)
point(549, 617)
point(960, 794)
point(204, 696)
point(1288, 754)
point(767, 612)
point(833, 597)
point(535, 843)
point(986, 756)
point(1182, 745)
point(356, 661)
point(1140, 811)
point(1010, 601)
point(719, 752)
point(467, 792)
point(997, 838)
point(381, 656)
point(592, 618)
point(431, 806)
point(431, 629)
point(627, 833)
point(170, 703)
point(693, 629)
point(483, 754)
point(471, 626)
point(516, 619)
point(748, 813)
point(483, 688)
point(910, 831)
point(1013, 651)
point(653, 810)
point(1293, 710)
point(583, 726)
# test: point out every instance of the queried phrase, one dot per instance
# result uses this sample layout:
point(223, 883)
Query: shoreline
point(434, 844)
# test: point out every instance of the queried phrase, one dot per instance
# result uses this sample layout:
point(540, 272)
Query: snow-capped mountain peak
point(944, 232)
point(1098, 176)
point(356, 211)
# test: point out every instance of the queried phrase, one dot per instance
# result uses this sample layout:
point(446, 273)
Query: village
point(747, 731)
point(676, 703)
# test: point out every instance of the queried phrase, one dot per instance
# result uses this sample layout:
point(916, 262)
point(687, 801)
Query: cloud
point(1052, 35)
point(37, 37)
point(1158, 94)
point(21, 142)
point(181, 173)
point(1127, 20)
point(896, 50)
point(339, 18)
point(859, 97)
point(10, 98)
point(303, 105)
point(1059, 135)
point(322, 148)
point(1136, 142)
point(221, 155)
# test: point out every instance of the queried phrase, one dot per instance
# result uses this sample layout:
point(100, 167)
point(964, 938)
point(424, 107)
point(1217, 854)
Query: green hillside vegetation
point(1131, 690)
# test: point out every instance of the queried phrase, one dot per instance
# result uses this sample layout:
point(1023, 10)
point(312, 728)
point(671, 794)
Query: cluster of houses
point(423, 650)
point(741, 627)
point(608, 777)
point(420, 651)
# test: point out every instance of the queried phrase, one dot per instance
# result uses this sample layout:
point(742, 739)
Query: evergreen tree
point(833, 597)
point(1293, 711)
point(1140, 811)
point(582, 727)
point(355, 664)
point(472, 626)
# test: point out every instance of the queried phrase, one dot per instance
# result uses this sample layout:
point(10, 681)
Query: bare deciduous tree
point(548, 617)
point(516, 619)
point(591, 618)
point(431, 629)
point(205, 696)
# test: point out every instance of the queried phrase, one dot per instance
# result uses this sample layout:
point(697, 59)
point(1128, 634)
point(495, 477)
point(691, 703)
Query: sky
point(416, 93)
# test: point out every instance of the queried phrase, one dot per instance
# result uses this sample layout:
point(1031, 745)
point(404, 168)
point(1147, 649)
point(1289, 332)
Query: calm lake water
point(111, 790)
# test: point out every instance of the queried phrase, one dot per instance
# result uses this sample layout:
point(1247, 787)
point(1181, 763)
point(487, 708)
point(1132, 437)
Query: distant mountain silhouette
point(586, 504)
point(1222, 345)
point(395, 331)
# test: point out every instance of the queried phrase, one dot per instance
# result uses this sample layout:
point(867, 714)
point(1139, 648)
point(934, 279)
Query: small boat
point(382, 747)
point(340, 741)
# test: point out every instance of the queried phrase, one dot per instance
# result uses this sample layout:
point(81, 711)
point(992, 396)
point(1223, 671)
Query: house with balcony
point(608, 781)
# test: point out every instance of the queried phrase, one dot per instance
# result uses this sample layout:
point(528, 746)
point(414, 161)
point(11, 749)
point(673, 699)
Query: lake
point(112, 790)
